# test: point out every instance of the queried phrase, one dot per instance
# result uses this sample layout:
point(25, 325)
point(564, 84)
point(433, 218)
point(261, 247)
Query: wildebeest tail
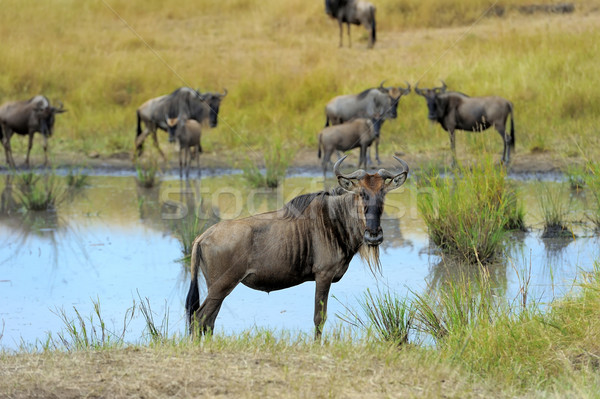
point(320, 145)
point(192, 302)
point(511, 142)
point(373, 28)
point(139, 124)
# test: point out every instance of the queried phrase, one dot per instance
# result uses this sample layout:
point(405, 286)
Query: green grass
point(555, 207)
point(592, 180)
point(467, 215)
point(77, 178)
point(277, 159)
point(39, 192)
point(282, 65)
point(147, 173)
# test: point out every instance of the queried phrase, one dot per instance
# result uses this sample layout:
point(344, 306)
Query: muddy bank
point(305, 161)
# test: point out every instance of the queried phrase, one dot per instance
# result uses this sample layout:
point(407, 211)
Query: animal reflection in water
point(312, 238)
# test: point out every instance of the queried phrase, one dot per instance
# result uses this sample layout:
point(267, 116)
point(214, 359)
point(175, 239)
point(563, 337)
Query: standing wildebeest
point(26, 118)
point(357, 133)
point(312, 238)
point(183, 101)
point(369, 103)
point(455, 110)
point(188, 133)
point(355, 12)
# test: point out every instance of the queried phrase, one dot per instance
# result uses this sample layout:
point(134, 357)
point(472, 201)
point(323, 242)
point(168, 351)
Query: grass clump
point(592, 180)
point(467, 216)
point(384, 314)
point(77, 178)
point(277, 159)
point(39, 192)
point(147, 173)
point(555, 209)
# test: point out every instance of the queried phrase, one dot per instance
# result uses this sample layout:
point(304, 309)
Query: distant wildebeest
point(381, 102)
point(184, 101)
point(454, 110)
point(312, 238)
point(355, 12)
point(188, 133)
point(359, 132)
point(26, 118)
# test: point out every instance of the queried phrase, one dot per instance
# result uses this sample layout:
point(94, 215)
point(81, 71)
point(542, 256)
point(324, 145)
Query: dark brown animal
point(356, 12)
point(457, 111)
point(312, 238)
point(360, 132)
point(188, 133)
point(185, 102)
point(26, 118)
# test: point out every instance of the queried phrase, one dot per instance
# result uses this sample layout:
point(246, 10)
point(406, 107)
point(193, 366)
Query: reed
point(77, 178)
point(39, 192)
point(554, 205)
point(277, 159)
point(467, 216)
point(147, 173)
point(592, 180)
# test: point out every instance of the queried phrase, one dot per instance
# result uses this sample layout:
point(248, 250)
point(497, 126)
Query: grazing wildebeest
point(355, 12)
point(26, 118)
point(188, 133)
point(184, 101)
point(380, 100)
point(455, 110)
point(359, 132)
point(312, 238)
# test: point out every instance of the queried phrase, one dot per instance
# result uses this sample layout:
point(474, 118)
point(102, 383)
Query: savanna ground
point(281, 64)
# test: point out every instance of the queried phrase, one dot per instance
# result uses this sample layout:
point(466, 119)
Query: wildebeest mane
point(296, 206)
point(363, 94)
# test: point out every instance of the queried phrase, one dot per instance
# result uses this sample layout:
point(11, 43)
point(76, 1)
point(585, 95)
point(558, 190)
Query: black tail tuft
point(373, 27)
point(511, 143)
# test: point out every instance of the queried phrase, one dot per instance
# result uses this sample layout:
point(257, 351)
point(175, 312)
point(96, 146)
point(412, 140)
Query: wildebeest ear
point(396, 182)
point(346, 184)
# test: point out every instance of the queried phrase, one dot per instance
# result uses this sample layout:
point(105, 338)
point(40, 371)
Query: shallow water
point(115, 243)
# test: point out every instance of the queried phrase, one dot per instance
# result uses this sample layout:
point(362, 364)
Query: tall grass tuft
point(576, 175)
point(77, 178)
point(277, 159)
point(592, 179)
point(89, 332)
point(467, 216)
point(39, 192)
point(555, 209)
point(384, 314)
point(455, 306)
point(147, 173)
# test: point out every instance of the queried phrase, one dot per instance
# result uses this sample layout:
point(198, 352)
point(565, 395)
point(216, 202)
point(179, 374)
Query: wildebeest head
point(172, 127)
point(395, 94)
point(213, 100)
point(371, 189)
point(46, 117)
point(433, 100)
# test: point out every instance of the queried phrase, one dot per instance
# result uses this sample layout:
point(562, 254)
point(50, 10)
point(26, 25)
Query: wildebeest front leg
point(321, 296)
point(155, 141)
point(29, 146)
point(452, 146)
point(6, 144)
point(341, 31)
point(45, 146)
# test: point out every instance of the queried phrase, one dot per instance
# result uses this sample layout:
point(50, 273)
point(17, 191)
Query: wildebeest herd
point(315, 236)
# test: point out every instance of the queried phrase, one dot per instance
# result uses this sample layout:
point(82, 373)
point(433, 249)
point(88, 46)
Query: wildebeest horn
point(407, 86)
point(386, 174)
point(60, 109)
point(417, 90)
point(442, 89)
point(359, 174)
point(381, 84)
point(224, 92)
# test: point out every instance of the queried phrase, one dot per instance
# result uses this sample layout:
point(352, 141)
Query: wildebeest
point(377, 102)
point(188, 133)
point(312, 238)
point(184, 101)
point(455, 110)
point(359, 132)
point(355, 12)
point(26, 118)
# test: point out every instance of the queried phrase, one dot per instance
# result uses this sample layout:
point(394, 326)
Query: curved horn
point(224, 92)
point(417, 90)
point(443, 88)
point(386, 174)
point(381, 84)
point(407, 87)
point(359, 174)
